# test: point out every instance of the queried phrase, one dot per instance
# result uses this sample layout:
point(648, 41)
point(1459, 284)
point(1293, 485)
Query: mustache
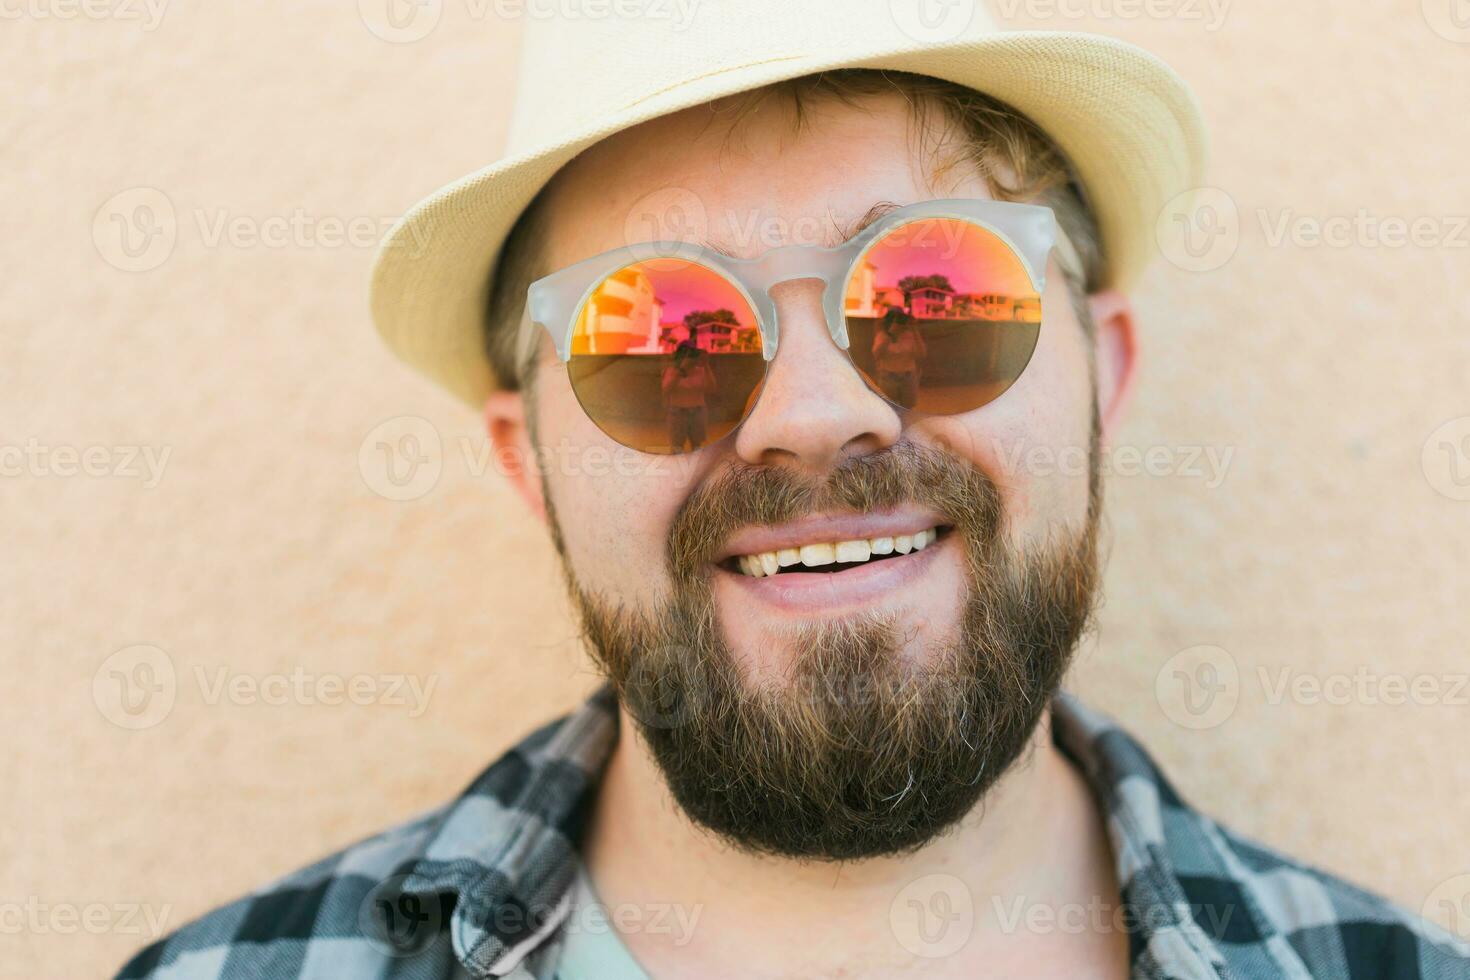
point(744, 494)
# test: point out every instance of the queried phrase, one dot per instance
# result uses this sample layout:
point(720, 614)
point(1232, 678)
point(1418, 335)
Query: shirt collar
point(503, 854)
point(1138, 804)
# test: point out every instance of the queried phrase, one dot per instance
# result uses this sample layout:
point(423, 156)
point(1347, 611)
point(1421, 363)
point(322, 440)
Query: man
point(832, 742)
point(687, 384)
point(898, 354)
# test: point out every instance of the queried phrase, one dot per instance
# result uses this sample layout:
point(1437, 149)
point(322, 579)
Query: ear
point(510, 440)
point(1117, 357)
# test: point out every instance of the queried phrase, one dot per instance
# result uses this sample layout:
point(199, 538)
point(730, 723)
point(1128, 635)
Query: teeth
point(816, 555)
point(826, 553)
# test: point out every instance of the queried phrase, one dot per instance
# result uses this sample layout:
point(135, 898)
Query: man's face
point(959, 643)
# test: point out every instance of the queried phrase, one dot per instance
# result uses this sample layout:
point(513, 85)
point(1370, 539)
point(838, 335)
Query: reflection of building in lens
point(865, 297)
point(716, 331)
point(862, 292)
point(933, 297)
point(926, 302)
point(622, 316)
point(1028, 309)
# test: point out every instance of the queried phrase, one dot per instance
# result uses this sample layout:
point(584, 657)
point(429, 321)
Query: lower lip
point(813, 591)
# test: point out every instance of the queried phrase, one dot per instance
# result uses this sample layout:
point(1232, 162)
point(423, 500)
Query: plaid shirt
point(480, 887)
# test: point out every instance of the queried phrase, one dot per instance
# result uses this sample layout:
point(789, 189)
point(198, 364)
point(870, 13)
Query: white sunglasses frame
point(1030, 230)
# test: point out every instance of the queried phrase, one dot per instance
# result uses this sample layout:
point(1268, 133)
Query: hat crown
point(599, 58)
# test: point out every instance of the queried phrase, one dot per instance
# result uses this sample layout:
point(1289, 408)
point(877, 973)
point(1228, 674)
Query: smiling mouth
point(832, 556)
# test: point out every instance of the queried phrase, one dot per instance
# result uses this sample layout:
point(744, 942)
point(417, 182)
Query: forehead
point(749, 184)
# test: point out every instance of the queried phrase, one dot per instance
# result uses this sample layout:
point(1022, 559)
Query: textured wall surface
point(276, 141)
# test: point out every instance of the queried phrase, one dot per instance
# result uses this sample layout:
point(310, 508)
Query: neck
point(1035, 842)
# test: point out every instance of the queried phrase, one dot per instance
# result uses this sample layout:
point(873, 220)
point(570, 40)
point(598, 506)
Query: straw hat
point(1127, 122)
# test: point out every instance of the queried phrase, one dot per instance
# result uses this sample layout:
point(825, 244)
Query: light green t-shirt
point(592, 949)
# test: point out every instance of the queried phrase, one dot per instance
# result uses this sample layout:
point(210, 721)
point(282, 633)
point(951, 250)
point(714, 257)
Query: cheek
point(614, 505)
point(1034, 440)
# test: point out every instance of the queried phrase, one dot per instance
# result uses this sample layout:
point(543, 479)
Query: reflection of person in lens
point(687, 384)
point(898, 350)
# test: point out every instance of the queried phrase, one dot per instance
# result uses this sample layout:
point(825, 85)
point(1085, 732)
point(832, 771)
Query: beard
point(855, 750)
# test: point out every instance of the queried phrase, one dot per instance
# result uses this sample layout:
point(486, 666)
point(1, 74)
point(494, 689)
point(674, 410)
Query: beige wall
point(1327, 549)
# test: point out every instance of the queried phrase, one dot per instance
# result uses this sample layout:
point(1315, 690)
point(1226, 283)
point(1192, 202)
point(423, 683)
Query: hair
point(1016, 158)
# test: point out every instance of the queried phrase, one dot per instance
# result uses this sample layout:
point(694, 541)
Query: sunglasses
point(937, 304)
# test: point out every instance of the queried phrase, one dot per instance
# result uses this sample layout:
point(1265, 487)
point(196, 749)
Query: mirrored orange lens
point(666, 356)
point(941, 315)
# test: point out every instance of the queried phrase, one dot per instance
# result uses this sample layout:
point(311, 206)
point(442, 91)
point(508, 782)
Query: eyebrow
point(845, 233)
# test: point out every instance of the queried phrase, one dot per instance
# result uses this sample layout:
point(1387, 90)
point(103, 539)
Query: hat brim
point(1128, 124)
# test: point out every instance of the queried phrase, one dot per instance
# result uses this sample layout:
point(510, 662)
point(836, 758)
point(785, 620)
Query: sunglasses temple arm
point(538, 312)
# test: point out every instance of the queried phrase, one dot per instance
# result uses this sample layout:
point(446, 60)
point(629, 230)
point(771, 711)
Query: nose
point(814, 409)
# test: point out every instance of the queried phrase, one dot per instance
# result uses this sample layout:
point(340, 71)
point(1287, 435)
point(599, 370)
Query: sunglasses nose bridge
point(792, 262)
